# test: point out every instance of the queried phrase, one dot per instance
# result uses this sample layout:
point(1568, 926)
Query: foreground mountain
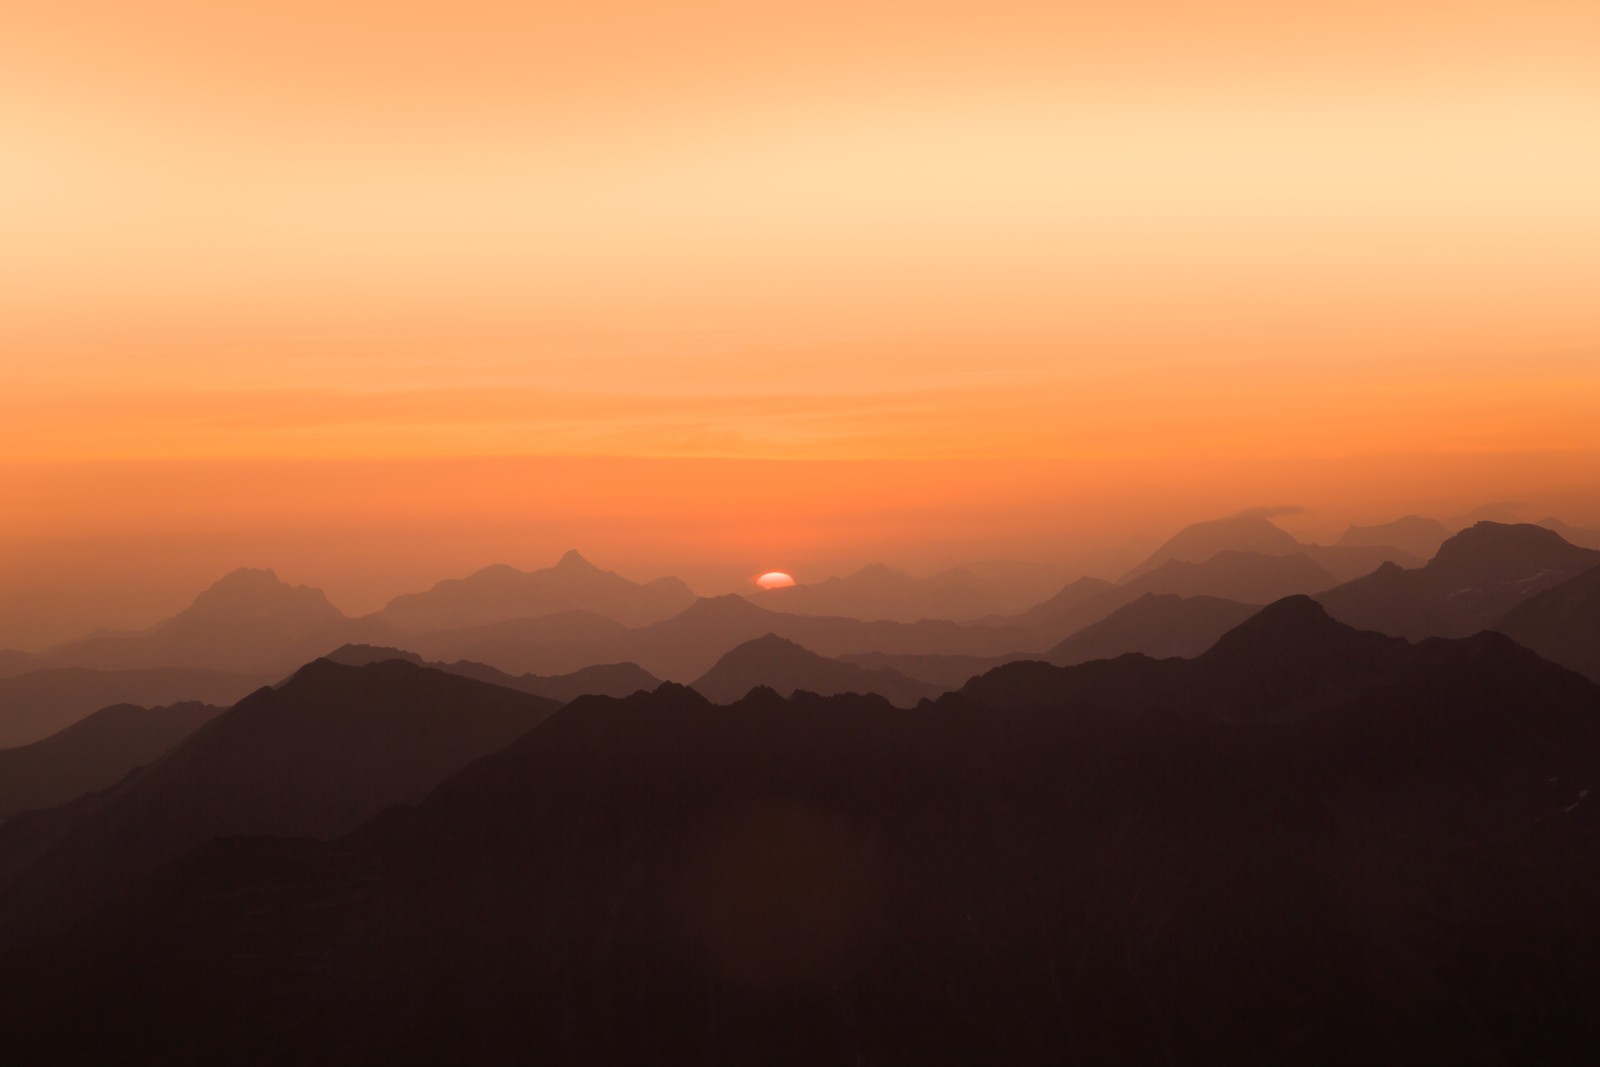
point(317, 756)
point(501, 593)
point(248, 621)
point(1310, 845)
point(1155, 625)
point(43, 702)
point(784, 667)
point(1562, 623)
point(1411, 533)
point(1475, 578)
point(602, 679)
point(94, 753)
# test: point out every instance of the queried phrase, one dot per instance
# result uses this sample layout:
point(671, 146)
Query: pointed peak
point(248, 576)
point(1289, 630)
point(572, 559)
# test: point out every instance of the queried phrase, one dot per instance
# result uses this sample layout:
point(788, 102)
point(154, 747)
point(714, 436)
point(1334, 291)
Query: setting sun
point(774, 580)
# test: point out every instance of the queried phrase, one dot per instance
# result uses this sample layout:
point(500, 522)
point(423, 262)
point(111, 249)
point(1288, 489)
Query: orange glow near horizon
point(775, 580)
point(379, 293)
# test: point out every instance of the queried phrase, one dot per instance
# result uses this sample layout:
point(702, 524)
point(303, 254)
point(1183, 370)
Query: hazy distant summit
point(1254, 532)
point(500, 593)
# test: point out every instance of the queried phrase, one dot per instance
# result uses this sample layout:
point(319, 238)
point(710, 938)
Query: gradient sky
point(378, 293)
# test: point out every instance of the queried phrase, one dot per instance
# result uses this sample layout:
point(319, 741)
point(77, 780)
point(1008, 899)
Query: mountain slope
point(1562, 623)
point(93, 753)
point(316, 756)
point(1155, 625)
point(784, 667)
point(40, 703)
point(1475, 578)
point(602, 679)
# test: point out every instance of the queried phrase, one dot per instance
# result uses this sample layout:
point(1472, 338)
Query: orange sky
point(715, 288)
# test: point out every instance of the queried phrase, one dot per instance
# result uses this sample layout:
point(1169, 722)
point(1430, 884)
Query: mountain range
point(1311, 844)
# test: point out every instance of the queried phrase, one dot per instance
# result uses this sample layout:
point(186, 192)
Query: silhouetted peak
point(674, 694)
point(495, 572)
point(1288, 628)
point(762, 696)
point(572, 560)
point(248, 590)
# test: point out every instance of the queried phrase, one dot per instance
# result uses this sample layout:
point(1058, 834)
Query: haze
point(376, 295)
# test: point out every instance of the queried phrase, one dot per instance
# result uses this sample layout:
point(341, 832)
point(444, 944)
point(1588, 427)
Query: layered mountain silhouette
point(1255, 533)
point(1311, 845)
point(501, 593)
point(877, 591)
point(94, 753)
point(316, 756)
point(783, 666)
point(1475, 578)
point(1243, 577)
point(685, 646)
point(249, 620)
point(945, 672)
point(1411, 533)
point(602, 679)
point(1562, 623)
point(1155, 625)
point(43, 702)
point(1578, 535)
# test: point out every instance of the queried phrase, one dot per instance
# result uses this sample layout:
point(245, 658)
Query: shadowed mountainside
point(1577, 535)
point(93, 753)
point(13, 663)
point(784, 667)
point(1562, 623)
point(317, 756)
point(1475, 578)
point(40, 703)
point(1309, 845)
point(501, 593)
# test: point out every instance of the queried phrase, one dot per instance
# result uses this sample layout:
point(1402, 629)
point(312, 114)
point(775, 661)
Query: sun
point(774, 580)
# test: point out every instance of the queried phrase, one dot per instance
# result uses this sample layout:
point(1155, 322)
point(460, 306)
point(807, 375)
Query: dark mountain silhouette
point(1411, 533)
point(1254, 533)
point(316, 757)
point(1474, 579)
point(13, 663)
point(1562, 623)
point(1155, 625)
point(1575, 534)
point(93, 753)
point(1310, 845)
point(944, 672)
point(248, 620)
point(784, 667)
point(40, 703)
point(501, 593)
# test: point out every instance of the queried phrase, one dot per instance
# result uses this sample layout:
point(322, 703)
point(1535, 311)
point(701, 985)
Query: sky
point(376, 294)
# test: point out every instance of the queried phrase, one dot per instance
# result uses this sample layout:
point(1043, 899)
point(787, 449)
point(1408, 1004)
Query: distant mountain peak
point(572, 559)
